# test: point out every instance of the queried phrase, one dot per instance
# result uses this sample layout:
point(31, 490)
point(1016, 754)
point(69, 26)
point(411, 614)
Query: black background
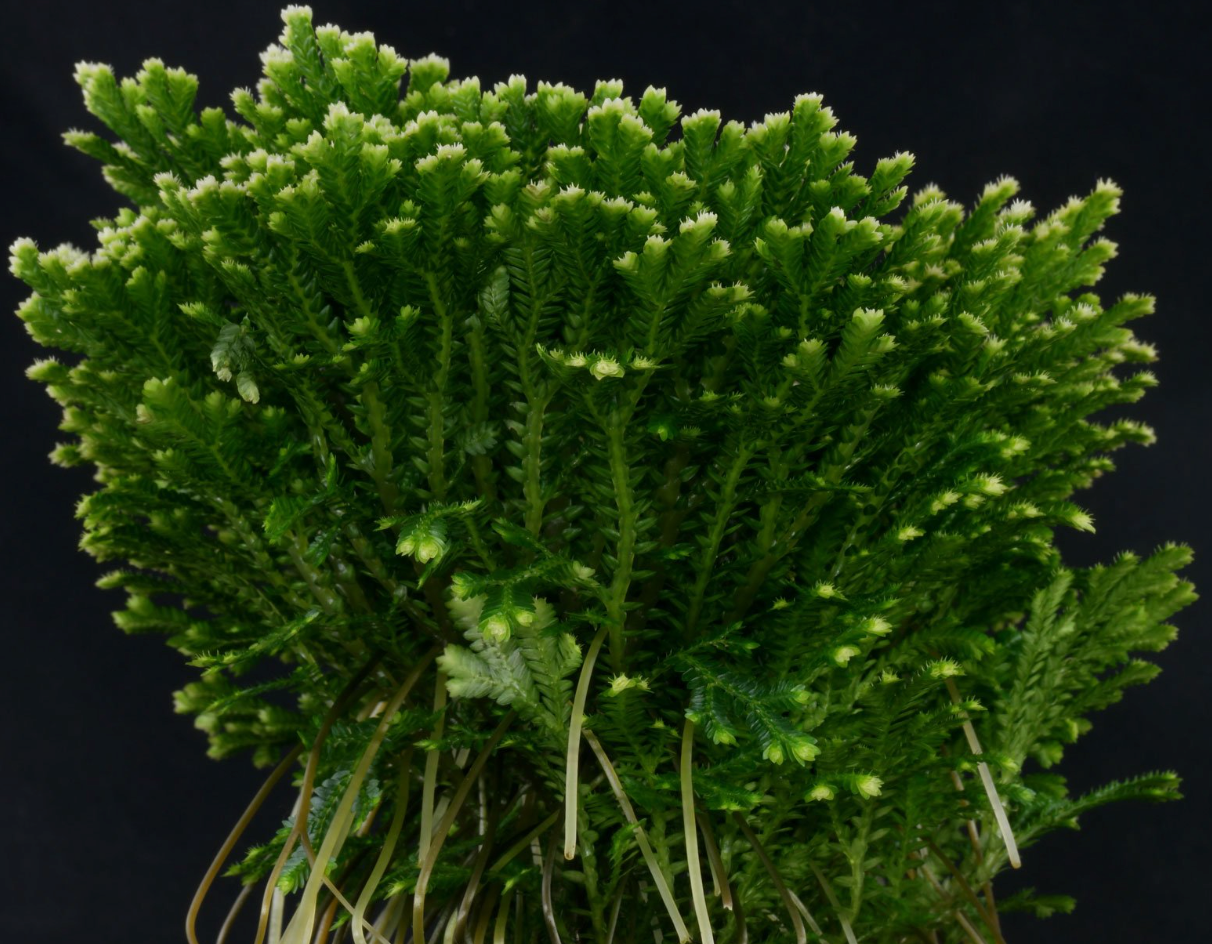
point(112, 811)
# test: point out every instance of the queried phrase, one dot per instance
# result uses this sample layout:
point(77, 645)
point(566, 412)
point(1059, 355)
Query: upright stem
point(452, 811)
point(573, 759)
point(429, 785)
point(690, 831)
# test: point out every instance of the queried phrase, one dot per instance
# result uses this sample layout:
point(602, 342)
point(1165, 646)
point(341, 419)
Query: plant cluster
point(622, 525)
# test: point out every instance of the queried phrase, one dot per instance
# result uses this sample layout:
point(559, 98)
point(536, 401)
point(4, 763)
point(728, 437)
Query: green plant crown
point(654, 516)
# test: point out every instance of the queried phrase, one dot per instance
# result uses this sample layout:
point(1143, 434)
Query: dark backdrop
point(113, 811)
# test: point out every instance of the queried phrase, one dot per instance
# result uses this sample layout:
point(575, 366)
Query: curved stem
point(488, 831)
point(302, 923)
point(574, 745)
point(389, 846)
point(429, 784)
point(722, 886)
point(837, 905)
point(995, 801)
point(452, 811)
point(498, 929)
point(641, 838)
point(347, 696)
point(801, 937)
point(545, 892)
point(191, 916)
point(231, 914)
point(694, 867)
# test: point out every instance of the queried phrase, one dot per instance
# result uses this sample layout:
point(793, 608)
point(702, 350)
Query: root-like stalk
point(439, 835)
point(641, 838)
point(789, 900)
point(302, 923)
point(191, 916)
point(429, 784)
point(995, 801)
point(719, 879)
point(837, 905)
point(574, 744)
point(694, 867)
point(549, 920)
point(389, 847)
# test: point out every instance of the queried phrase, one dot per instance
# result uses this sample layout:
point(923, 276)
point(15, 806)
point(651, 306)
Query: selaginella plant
point(653, 515)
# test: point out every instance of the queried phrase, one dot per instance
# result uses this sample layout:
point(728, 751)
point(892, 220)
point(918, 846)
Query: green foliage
point(671, 457)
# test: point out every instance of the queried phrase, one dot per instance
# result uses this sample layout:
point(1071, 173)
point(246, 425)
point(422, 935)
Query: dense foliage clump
point(654, 516)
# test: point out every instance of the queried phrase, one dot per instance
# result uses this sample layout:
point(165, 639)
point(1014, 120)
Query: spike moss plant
point(615, 525)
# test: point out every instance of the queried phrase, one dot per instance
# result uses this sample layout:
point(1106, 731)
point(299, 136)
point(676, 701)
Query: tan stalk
point(325, 924)
point(995, 801)
point(797, 922)
point(523, 843)
point(231, 915)
point(302, 923)
point(498, 928)
point(272, 882)
point(614, 913)
point(835, 904)
point(974, 838)
point(966, 889)
point(963, 922)
point(191, 916)
point(973, 934)
point(719, 880)
point(574, 745)
point(486, 909)
point(691, 837)
point(641, 838)
point(439, 835)
point(488, 830)
point(549, 920)
point(429, 784)
point(389, 846)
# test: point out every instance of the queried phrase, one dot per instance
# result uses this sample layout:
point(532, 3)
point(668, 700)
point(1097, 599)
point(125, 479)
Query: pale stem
point(722, 886)
point(614, 914)
point(641, 838)
point(191, 916)
point(836, 905)
point(801, 936)
point(456, 804)
point(389, 846)
point(973, 934)
point(995, 801)
point(275, 916)
point(812, 925)
point(429, 784)
point(693, 866)
point(545, 892)
point(303, 921)
point(574, 745)
point(498, 929)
